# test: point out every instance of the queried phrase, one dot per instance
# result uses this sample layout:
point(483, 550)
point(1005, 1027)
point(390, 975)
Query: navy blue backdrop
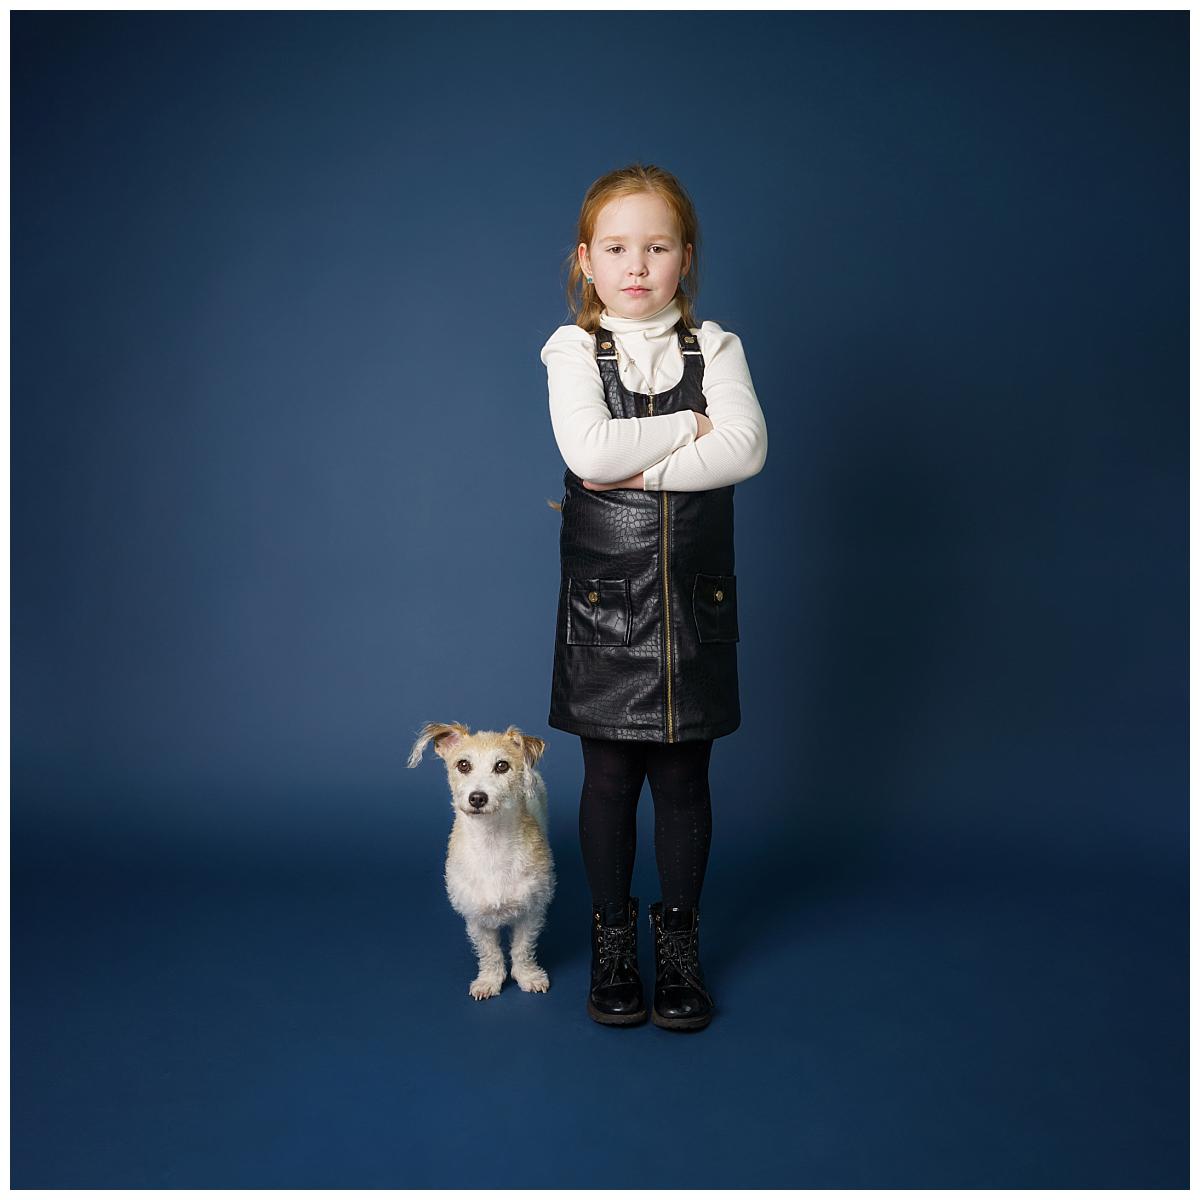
point(280, 457)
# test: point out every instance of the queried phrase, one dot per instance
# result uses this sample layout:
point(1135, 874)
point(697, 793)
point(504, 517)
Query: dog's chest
point(493, 883)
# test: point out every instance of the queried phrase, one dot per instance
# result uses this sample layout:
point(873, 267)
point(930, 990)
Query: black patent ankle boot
point(616, 996)
point(681, 999)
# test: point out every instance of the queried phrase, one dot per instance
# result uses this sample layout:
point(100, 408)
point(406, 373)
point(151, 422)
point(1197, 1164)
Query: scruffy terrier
point(499, 870)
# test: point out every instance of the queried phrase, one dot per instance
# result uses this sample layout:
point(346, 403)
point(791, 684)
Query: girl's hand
point(635, 481)
point(703, 425)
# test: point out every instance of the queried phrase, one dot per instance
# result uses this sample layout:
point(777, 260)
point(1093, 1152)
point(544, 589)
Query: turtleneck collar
point(659, 322)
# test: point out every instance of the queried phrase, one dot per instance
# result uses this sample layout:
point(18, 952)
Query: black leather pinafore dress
point(645, 647)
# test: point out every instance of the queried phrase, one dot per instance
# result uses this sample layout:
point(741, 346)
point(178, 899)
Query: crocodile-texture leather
point(611, 676)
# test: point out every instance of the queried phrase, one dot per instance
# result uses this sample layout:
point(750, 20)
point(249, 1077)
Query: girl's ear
point(444, 738)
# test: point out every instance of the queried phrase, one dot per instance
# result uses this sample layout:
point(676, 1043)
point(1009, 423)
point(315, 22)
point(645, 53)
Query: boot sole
point(681, 1022)
point(604, 1018)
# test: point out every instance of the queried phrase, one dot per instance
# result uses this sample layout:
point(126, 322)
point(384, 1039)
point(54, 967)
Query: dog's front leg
point(486, 941)
point(529, 976)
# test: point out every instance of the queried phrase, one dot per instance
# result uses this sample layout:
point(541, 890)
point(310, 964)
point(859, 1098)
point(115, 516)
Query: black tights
point(612, 782)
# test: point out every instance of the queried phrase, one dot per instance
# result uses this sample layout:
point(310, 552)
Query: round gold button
point(594, 597)
point(718, 594)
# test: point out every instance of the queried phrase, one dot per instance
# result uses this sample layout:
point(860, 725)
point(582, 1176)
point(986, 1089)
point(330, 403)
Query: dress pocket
point(714, 605)
point(597, 612)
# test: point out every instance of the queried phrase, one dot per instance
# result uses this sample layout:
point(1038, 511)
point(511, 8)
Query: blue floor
point(895, 1017)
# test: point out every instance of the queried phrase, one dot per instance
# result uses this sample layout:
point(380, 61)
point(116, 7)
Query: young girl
point(656, 420)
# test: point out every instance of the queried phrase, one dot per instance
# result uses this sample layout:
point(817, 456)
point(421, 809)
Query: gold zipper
point(665, 572)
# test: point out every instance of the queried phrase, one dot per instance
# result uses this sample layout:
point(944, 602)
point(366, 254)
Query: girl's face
point(635, 257)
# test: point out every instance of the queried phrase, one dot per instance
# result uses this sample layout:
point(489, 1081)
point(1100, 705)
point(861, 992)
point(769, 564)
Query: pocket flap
point(597, 612)
point(714, 605)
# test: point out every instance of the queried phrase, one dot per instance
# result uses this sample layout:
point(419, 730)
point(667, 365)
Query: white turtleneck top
point(603, 449)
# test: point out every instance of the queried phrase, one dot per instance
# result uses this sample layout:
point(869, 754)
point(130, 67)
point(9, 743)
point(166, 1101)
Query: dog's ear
point(443, 736)
point(532, 748)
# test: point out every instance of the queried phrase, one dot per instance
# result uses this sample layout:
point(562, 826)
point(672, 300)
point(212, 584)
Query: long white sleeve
point(594, 444)
point(736, 447)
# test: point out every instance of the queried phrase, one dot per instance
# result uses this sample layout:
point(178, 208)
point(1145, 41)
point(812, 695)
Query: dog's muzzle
point(477, 800)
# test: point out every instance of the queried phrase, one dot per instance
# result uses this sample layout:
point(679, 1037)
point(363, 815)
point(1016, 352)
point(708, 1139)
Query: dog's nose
point(477, 799)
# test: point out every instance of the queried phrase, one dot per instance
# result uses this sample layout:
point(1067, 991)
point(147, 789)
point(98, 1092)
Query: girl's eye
point(663, 248)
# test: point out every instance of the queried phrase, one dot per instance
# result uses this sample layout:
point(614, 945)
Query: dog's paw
point(532, 979)
point(484, 986)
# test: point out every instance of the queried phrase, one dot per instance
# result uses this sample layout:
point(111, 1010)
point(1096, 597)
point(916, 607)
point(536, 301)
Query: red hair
point(582, 301)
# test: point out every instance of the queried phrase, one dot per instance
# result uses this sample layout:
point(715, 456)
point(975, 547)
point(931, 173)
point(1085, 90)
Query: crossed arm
point(703, 426)
point(682, 451)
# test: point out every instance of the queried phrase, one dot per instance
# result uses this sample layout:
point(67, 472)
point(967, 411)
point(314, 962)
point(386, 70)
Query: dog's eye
point(501, 766)
point(463, 765)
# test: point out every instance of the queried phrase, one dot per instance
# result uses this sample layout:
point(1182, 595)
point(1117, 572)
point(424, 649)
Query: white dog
point(499, 870)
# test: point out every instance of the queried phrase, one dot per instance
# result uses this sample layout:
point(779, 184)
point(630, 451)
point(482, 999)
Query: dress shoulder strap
point(688, 342)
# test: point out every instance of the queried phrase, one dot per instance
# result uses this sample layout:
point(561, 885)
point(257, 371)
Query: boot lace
point(679, 949)
point(615, 947)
